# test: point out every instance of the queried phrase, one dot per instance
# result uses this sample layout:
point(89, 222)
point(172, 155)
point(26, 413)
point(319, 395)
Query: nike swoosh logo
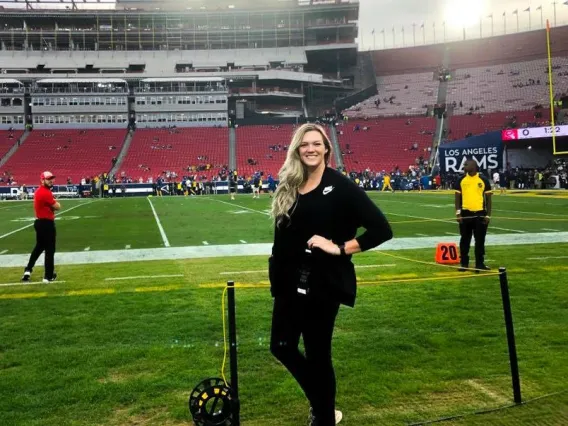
point(327, 190)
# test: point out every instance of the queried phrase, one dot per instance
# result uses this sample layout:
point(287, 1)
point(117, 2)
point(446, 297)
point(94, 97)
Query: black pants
point(45, 241)
point(314, 319)
point(472, 224)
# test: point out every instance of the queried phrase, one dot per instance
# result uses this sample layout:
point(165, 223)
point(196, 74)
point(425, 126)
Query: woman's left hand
point(324, 244)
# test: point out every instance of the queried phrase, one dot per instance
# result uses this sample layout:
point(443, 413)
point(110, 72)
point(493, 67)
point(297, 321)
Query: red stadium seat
point(66, 153)
point(387, 144)
point(186, 145)
point(461, 125)
point(254, 141)
point(6, 142)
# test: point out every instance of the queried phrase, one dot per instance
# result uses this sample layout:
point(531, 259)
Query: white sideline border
point(265, 249)
point(31, 283)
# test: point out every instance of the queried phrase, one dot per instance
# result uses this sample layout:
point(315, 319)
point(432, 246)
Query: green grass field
point(125, 342)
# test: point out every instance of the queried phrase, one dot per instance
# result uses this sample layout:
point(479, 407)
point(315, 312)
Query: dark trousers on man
point(314, 320)
point(45, 241)
point(472, 224)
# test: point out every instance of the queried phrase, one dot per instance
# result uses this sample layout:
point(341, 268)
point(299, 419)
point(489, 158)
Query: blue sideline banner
point(486, 150)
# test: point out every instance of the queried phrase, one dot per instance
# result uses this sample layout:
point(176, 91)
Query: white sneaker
point(312, 419)
point(47, 281)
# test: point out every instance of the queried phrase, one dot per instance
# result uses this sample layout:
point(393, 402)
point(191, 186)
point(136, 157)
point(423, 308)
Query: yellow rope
point(369, 283)
point(427, 263)
point(413, 280)
point(532, 219)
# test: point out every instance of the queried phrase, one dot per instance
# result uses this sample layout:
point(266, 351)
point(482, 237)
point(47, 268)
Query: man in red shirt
point(44, 225)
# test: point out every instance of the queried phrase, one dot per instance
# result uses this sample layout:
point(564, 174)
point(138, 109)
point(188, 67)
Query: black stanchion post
point(510, 335)
point(233, 352)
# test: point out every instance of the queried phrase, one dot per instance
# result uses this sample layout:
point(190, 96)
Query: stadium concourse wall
point(238, 64)
point(472, 53)
point(348, 101)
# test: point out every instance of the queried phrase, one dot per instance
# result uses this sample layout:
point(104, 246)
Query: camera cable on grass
point(215, 401)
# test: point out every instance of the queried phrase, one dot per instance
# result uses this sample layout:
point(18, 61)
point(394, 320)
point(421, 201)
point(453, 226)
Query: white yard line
point(29, 283)
point(551, 230)
point(421, 235)
point(14, 206)
point(452, 222)
point(529, 213)
point(127, 247)
point(162, 233)
point(506, 229)
point(238, 205)
point(450, 233)
point(142, 277)
point(477, 386)
point(3, 251)
point(87, 249)
point(264, 249)
point(547, 257)
point(31, 224)
point(205, 243)
point(243, 241)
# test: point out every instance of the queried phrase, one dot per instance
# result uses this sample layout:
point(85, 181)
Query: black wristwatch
point(342, 249)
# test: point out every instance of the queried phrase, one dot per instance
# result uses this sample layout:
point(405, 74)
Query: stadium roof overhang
point(10, 81)
point(154, 7)
point(81, 80)
point(182, 79)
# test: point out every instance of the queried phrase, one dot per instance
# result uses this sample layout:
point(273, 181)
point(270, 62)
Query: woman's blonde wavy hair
point(294, 173)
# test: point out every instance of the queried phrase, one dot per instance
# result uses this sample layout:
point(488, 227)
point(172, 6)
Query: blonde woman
point(317, 212)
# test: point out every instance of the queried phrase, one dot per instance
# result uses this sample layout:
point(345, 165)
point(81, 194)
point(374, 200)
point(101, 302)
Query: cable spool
point(211, 403)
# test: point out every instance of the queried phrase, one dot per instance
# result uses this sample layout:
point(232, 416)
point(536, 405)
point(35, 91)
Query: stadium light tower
point(414, 34)
point(528, 9)
point(434, 29)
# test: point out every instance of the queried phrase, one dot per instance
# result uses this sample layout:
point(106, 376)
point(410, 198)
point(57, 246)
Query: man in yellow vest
point(473, 213)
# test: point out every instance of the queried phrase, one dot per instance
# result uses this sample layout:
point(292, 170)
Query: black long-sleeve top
point(335, 209)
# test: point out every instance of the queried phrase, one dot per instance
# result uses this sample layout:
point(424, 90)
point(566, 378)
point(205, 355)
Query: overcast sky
point(384, 14)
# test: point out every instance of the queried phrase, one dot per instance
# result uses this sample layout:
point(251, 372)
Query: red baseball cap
point(47, 175)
